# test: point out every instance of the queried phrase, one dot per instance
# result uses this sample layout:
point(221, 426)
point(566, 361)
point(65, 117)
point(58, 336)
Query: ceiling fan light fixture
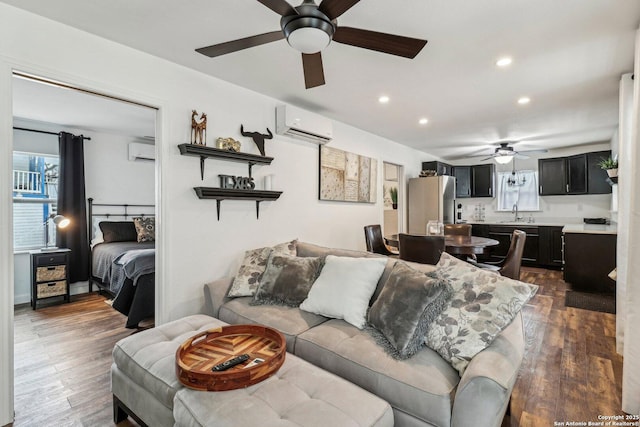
point(309, 34)
point(503, 160)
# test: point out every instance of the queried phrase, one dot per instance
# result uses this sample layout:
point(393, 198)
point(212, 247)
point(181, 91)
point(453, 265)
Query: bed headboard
point(116, 210)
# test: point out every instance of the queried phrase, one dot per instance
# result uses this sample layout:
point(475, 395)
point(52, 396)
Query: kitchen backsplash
point(562, 209)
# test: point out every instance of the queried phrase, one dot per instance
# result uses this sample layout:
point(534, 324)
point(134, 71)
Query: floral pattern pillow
point(483, 304)
point(146, 228)
point(247, 280)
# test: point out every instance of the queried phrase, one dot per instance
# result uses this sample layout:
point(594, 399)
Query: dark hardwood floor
point(63, 355)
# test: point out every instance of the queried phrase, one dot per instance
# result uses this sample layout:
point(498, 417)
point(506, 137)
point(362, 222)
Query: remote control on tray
point(230, 363)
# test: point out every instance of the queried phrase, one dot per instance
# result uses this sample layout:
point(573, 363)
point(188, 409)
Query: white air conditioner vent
point(302, 124)
point(138, 151)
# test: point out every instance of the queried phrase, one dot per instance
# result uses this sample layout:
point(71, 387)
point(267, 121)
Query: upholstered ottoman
point(145, 386)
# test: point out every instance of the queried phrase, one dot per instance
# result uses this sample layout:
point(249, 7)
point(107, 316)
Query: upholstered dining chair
point(375, 242)
point(422, 249)
point(457, 229)
point(510, 265)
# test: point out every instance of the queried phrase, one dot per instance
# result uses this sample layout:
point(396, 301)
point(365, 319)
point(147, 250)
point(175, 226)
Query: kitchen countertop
point(543, 223)
point(591, 228)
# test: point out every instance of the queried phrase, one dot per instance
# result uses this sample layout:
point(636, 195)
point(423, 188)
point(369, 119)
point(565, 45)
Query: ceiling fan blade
point(313, 71)
point(235, 45)
point(280, 7)
point(521, 156)
point(542, 150)
point(488, 158)
point(386, 43)
point(335, 8)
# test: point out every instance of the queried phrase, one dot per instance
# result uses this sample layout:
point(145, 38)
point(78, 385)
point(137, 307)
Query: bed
point(122, 261)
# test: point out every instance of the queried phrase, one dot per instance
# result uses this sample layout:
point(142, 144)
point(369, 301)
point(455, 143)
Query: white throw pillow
point(344, 288)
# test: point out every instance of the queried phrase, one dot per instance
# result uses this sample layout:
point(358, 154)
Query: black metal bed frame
point(124, 213)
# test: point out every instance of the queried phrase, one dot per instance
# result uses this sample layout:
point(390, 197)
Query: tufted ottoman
point(145, 386)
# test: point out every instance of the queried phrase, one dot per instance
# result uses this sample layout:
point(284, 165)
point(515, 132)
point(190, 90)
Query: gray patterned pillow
point(146, 228)
point(408, 303)
point(483, 304)
point(287, 280)
point(255, 261)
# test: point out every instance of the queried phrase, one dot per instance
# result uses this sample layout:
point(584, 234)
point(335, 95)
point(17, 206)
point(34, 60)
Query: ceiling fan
point(309, 28)
point(505, 153)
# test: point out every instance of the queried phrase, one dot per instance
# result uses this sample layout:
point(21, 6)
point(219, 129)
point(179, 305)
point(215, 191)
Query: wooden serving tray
point(196, 356)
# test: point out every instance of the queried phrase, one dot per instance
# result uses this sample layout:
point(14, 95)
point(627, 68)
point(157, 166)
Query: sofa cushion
point(149, 358)
point(287, 279)
point(344, 288)
point(422, 386)
point(298, 394)
point(255, 261)
point(483, 304)
point(408, 303)
point(291, 321)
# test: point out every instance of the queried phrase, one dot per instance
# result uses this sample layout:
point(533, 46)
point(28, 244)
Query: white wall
point(193, 247)
point(110, 177)
point(553, 209)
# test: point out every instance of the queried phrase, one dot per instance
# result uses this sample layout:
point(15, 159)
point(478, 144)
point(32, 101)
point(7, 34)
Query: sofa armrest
point(485, 388)
point(215, 295)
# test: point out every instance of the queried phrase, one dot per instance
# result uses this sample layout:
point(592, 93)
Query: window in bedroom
point(518, 187)
point(35, 194)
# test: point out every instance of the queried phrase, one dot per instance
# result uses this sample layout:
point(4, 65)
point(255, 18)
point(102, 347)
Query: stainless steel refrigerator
point(430, 199)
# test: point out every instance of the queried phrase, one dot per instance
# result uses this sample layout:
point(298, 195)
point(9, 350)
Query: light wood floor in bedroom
point(63, 354)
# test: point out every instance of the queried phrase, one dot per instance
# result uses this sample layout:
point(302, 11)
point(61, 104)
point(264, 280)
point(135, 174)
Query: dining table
point(456, 245)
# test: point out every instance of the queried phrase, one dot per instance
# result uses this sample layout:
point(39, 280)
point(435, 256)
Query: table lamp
point(60, 221)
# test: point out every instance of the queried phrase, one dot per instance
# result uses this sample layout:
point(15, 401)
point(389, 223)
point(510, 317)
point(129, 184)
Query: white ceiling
point(568, 57)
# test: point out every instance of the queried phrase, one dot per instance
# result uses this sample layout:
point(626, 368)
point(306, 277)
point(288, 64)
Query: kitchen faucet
point(514, 210)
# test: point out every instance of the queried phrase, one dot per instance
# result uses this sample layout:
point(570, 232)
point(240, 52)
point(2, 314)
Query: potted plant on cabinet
point(610, 165)
point(393, 193)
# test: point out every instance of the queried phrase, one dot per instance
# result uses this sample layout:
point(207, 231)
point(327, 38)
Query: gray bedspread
point(113, 274)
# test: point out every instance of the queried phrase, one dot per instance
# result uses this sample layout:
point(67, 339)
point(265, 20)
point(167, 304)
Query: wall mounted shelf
point(612, 180)
point(219, 194)
point(205, 152)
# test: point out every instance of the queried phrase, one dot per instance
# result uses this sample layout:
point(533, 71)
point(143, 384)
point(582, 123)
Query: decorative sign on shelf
point(347, 177)
point(237, 182)
point(198, 129)
point(257, 137)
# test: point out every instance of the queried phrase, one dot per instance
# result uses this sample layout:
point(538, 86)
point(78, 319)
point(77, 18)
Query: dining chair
point(457, 229)
point(510, 265)
point(375, 242)
point(422, 249)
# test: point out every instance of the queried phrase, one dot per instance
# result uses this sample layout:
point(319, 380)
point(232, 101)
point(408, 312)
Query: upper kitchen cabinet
point(482, 180)
point(439, 167)
point(579, 174)
point(596, 176)
point(474, 181)
point(463, 181)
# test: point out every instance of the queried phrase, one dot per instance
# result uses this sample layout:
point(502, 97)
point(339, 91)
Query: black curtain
point(72, 204)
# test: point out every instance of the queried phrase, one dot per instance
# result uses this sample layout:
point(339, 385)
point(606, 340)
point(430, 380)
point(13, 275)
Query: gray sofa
point(423, 390)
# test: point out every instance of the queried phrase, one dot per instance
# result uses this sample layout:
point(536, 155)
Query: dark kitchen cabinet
point(552, 174)
point(588, 260)
point(551, 242)
point(576, 174)
point(579, 174)
point(482, 180)
point(474, 181)
point(596, 176)
point(439, 167)
point(503, 233)
point(463, 181)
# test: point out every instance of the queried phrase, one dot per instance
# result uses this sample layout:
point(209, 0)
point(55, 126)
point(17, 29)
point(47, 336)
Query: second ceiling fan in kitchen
point(309, 28)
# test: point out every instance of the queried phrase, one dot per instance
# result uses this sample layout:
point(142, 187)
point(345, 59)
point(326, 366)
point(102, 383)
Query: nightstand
point(49, 275)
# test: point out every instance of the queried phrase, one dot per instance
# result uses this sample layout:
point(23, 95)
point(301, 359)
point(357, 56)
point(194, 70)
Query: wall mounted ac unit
point(302, 124)
point(138, 151)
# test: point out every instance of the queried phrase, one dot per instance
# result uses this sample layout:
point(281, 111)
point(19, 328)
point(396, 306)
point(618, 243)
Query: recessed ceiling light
point(504, 62)
point(383, 99)
point(423, 121)
point(524, 100)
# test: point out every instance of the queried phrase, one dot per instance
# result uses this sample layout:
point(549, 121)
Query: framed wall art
point(347, 177)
